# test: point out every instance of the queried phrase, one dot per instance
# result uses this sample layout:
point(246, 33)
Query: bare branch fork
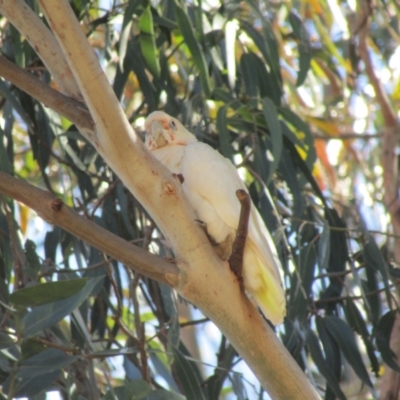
point(203, 278)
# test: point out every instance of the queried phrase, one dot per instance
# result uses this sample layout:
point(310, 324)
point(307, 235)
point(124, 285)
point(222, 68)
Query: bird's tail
point(264, 284)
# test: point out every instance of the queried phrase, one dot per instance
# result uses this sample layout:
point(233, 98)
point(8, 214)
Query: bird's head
point(163, 130)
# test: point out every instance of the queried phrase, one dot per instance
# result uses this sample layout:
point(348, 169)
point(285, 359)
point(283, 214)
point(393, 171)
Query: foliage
point(259, 82)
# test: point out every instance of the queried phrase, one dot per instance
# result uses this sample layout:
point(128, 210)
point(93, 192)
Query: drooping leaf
point(332, 354)
point(274, 126)
point(250, 79)
point(325, 369)
point(373, 257)
point(359, 325)
point(198, 56)
point(148, 43)
point(347, 343)
point(383, 334)
point(44, 316)
point(301, 34)
point(224, 137)
point(189, 375)
point(46, 293)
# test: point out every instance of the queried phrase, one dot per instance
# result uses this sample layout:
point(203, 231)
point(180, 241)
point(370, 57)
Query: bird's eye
point(172, 125)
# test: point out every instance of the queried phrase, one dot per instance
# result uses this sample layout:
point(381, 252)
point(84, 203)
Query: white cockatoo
point(210, 182)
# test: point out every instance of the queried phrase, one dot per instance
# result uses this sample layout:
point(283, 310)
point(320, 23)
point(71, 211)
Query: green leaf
point(301, 283)
point(274, 127)
point(46, 293)
point(30, 387)
point(300, 32)
point(323, 367)
point(164, 395)
point(33, 262)
point(126, 29)
point(345, 338)
point(162, 368)
point(5, 164)
point(137, 389)
point(44, 316)
point(358, 324)
point(148, 43)
point(187, 31)
point(302, 131)
point(383, 334)
point(44, 362)
point(224, 137)
point(374, 257)
point(332, 353)
point(215, 382)
point(15, 103)
point(188, 372)
point(249, 78)
point(323, 247)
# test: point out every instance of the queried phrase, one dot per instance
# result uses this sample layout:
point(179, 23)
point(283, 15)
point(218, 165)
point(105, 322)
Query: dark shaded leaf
point(44, 362)
point(30, 387)
point(225, 362)
point(332, 354)
point(33, 262)
point(374, 257)
point(148, 43)
point(224, 137)
point(301, 283)
point(301, 34)
point(383, 333)
point(347, 343)
point(46, 292)
point(44, 316)
point(5, 164)
point(51, 242)
point(164, 395)
point(249, 78)
point(338, 258)
point(186, 28)
point(301, 130)
point(274, 127)
point(162, 369)
point(325, 369)
point(358, 323)
point(188, 373)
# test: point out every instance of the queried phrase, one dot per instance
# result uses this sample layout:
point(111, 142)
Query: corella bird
point(210, 182)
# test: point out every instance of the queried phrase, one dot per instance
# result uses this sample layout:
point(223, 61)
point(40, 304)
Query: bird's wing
point(210, 182)
point(211, 179)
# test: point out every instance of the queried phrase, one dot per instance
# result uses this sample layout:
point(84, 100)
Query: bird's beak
point(156, 130)
point(157, 135)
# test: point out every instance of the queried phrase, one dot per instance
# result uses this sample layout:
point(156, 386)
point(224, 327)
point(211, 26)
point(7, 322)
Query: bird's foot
point(180, 177)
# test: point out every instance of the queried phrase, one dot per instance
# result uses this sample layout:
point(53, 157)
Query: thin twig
point(236, 258)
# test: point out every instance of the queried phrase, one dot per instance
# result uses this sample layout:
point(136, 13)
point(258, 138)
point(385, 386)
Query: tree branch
point(43, 41)
point(390, 138)
point(389, 160)
point(72, 109)
point(236, 258)
point(54, 211)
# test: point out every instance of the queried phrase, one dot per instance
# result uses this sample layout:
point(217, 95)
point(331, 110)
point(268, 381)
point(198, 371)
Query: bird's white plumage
point(210, 184)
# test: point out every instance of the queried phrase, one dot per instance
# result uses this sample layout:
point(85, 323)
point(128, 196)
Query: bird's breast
point(171, 157)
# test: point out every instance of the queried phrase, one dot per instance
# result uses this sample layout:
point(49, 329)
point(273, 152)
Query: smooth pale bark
point(203, 278)
point(54, 211)
point(43, 41)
